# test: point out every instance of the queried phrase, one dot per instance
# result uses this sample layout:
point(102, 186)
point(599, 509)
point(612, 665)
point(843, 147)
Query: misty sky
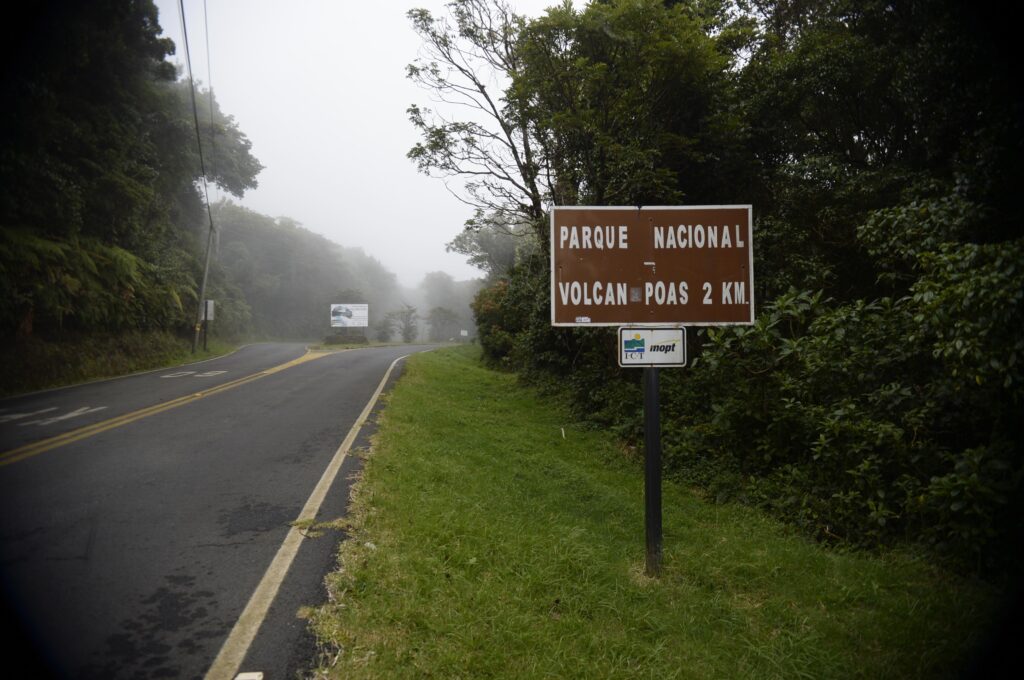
point(319, 87)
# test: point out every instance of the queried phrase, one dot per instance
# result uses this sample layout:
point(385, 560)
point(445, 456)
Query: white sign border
point(654, 324)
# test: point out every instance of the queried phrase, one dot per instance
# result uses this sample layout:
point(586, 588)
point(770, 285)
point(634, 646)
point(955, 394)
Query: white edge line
point(236, 646)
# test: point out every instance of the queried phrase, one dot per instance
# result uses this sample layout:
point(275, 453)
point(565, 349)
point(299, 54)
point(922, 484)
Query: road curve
point(132, 552)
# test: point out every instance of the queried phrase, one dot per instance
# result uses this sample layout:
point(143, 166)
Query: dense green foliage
point(877, 397)
point(99, 212)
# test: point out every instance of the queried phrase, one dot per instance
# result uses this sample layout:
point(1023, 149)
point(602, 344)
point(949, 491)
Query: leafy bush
point(494, 328)
point(86, 284)
point(871, 421)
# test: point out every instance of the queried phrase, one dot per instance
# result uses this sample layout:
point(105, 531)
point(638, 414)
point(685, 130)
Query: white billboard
point(350, 316)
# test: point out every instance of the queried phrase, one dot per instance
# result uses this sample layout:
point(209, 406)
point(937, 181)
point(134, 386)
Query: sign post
point(652, 472)
point(652, 348)
point(207, 318)
point(652, 271)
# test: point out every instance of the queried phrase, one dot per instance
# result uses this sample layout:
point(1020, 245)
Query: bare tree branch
point(469, 62)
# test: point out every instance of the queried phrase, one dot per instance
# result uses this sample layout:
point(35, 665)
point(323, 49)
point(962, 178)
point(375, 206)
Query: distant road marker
point(19, 416)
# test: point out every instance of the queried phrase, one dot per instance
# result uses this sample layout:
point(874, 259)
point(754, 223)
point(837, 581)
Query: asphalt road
point(130, 551)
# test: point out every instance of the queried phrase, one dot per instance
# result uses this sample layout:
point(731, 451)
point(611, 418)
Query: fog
point(319, 87)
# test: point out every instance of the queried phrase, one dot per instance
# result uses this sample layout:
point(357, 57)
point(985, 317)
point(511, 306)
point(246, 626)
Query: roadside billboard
point(350, 316)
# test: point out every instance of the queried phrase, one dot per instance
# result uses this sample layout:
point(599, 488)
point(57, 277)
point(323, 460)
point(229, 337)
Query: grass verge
point(35, 364)
point(486, 543)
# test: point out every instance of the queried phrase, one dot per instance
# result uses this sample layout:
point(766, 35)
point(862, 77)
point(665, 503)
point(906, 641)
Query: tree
point(365, 272)
point(404, 320)
point(227, 151)
point(492, 147)
point(408, 317)
point(490, 243)
point(631, 104)
point(385, 328)
point(444, 324)
point(351, 333)
point(438, 289)
point(850, 104)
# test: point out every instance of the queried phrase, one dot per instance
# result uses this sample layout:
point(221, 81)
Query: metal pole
point(652, 471)
point(201, 311)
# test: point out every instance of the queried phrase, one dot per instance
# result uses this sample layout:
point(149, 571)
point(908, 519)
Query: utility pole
point(201, 311)
point(200, 315)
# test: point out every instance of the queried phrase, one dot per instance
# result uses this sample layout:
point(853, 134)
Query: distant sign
point(350, 316)
point(464, 333)
point(207, 310)
point(614, 266)
point(643, 346)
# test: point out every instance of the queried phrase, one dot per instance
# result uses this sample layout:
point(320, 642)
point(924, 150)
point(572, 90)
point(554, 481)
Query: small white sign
point(464, 333)
point(350, 316)
point(207, 311)
point(652, 346)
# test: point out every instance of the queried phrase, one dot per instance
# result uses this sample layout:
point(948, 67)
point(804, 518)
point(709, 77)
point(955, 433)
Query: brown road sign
point(684, 266)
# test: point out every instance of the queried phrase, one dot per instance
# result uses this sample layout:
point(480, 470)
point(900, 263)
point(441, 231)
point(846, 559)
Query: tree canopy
point(99, 210)
point(289, 276)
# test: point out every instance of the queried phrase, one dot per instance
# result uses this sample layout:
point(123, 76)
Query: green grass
point(35, 364)
point(487, 545)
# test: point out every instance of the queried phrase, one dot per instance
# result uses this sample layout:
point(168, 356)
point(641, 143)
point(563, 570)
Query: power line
point(192, 92)
point(209, 82)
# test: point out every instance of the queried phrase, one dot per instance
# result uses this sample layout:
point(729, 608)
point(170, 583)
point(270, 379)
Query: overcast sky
point(319, 87)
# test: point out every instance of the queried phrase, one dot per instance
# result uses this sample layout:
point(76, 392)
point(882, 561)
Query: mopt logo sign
point(634, 346)
point(646, 347)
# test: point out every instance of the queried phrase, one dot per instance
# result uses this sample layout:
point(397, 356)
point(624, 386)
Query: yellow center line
point(43, 445)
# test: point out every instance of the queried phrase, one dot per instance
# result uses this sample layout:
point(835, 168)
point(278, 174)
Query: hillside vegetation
point(876, 400)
